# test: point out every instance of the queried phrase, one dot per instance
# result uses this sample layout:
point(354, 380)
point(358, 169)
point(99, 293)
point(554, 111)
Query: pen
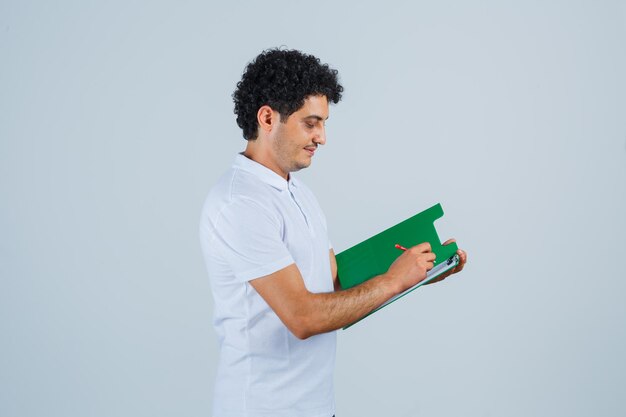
point(400, 247)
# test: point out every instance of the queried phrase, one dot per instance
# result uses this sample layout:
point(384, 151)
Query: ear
point(266, 118)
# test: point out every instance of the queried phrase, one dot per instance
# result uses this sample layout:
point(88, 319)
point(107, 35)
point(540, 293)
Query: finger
point(462, 256)
point(447, 242)
point(461, 263)
point(423, 247)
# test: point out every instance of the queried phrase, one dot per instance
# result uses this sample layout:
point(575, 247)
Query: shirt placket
point(304, 214)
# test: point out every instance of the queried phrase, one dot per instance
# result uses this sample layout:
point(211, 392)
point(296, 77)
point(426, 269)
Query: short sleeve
point(249, 238)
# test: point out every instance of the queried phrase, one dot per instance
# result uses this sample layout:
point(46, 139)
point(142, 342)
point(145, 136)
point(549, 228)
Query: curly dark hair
point(281, 79)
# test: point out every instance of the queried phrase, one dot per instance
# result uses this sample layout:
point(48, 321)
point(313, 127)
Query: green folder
point(375, 255)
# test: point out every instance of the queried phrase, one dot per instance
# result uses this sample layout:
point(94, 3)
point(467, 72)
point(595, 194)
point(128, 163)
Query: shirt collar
point(264, 173)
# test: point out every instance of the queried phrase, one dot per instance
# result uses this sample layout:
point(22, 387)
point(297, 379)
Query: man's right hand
point(411, 267)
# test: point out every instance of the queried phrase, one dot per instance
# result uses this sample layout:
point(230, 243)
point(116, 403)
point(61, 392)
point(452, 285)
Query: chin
point(299, 166)
point(305, 164)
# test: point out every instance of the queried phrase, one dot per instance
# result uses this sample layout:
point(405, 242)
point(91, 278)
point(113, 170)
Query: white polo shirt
point(254, 223)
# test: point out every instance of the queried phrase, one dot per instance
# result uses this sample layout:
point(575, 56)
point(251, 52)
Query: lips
point(310, 149)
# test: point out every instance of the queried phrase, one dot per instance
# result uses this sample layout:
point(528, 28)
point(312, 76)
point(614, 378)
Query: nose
point(320, 138)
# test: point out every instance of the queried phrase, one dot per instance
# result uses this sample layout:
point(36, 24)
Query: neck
point(259, 151)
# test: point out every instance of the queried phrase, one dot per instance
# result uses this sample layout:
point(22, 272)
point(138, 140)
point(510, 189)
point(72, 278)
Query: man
point(272, 269)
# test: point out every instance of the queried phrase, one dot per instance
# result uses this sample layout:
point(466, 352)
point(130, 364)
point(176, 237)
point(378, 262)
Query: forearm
point(324, 312)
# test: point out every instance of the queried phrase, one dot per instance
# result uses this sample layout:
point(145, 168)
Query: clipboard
point(375, 255)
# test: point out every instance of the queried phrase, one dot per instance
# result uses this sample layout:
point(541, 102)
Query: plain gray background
point(116, 119)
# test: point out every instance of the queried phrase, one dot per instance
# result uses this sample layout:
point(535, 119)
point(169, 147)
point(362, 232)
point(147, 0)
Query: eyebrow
point(315, 116)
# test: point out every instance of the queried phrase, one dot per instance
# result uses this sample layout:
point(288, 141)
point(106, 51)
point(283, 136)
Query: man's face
point(295, 141)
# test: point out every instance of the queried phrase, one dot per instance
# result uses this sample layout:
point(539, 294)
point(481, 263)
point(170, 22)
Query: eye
point(309, 125)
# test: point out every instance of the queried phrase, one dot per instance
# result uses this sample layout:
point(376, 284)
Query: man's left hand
point(457, 268)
